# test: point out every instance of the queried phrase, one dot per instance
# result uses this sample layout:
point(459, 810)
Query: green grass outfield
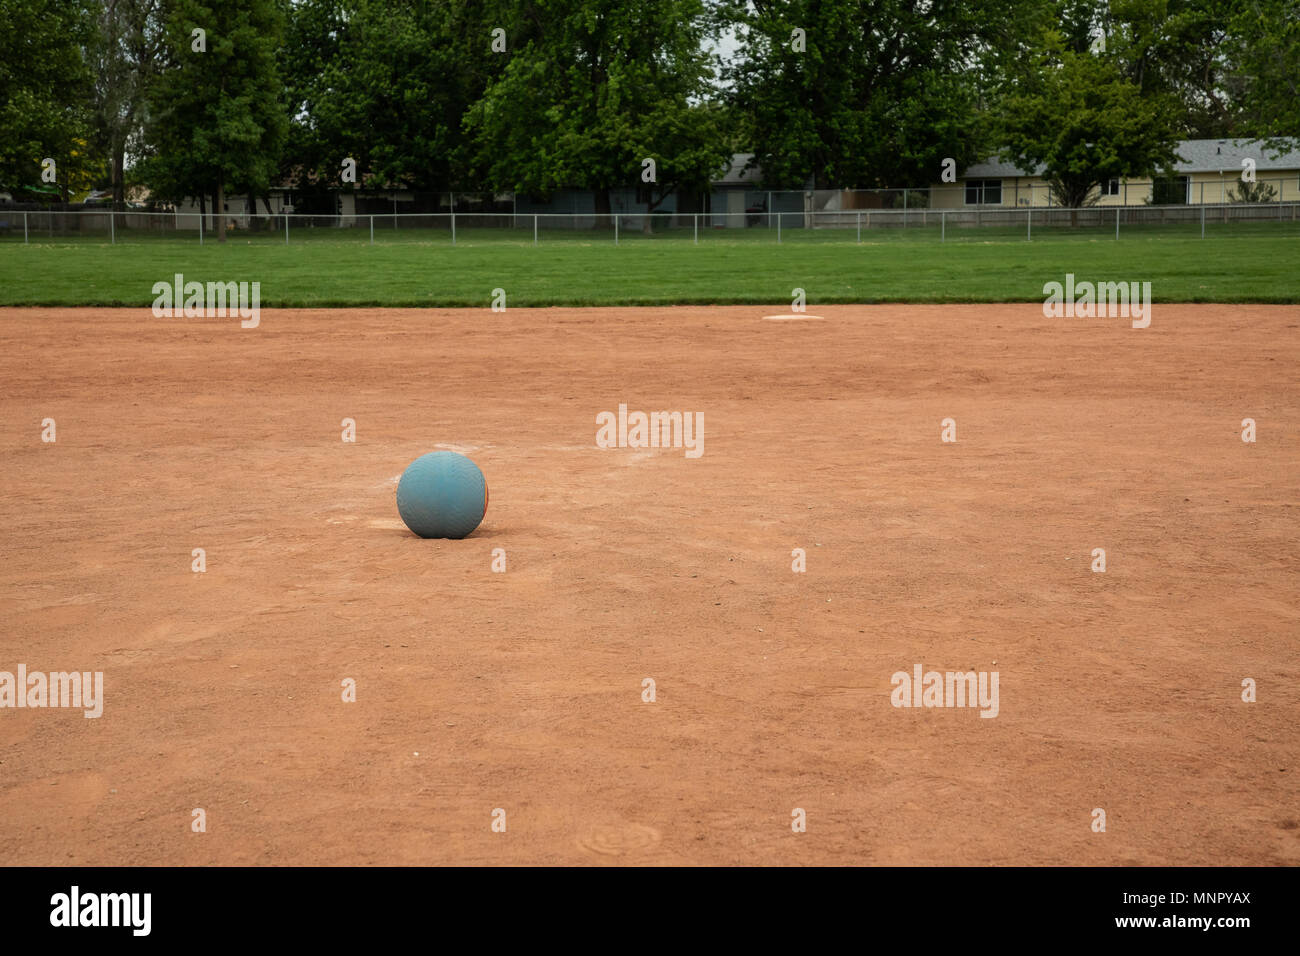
point(330, 267)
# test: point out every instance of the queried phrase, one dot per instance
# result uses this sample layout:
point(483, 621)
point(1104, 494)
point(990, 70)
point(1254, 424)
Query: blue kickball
point(442, 495)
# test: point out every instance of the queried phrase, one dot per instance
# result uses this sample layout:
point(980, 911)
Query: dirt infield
point(523, 690)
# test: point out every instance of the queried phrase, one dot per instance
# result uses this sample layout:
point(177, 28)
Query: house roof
point(1215, 155)
point(995, 167)
point(737, 174)
point(1194, 156)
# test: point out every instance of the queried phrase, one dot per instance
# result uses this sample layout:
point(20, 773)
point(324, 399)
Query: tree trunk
point(119, 175)
point(221, 210)
point(647, 221)
point(603, 206)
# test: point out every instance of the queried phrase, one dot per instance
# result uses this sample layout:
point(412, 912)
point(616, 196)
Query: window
point(1110, 187)
point(984, 192)
point(1171, 191)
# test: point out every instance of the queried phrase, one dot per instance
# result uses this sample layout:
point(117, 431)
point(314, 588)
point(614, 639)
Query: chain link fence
point(753, 224)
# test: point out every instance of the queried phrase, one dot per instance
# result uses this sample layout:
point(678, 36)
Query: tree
point(687, 144)
point(871, 92)
point(218, 122)
point(122, 54)
point(386, 85)
point(1169, 48)
point(1076, 117)
point(1264, 52)
point(44, 84)
point(590, 90)
point(1232, 66)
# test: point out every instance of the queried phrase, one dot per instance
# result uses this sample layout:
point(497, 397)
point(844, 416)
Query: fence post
point(1029, 223)
point(1202, 212)
point(697, 228)
point(372, 230)
point(534, 229)
point(201, 228)
point(453, 221)
point(1117, 222)
point(904, 208)
point(943, 225)
point(615, 228)
point(859, 228)
point(778, 228)
point(24, 228)
point(112, 227)
point(769, 209)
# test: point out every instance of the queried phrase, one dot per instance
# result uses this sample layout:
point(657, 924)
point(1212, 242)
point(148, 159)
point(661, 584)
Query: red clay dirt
point(523, 690)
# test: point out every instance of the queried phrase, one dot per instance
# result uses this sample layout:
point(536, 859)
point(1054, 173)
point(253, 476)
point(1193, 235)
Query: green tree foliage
point(1263, 48)
point(44, 85)
point(218, 122)
point(591, 89)
point(1230, 66)
point(883, 92)
point(585, 90)
point(1080, 119)
point(386, 84)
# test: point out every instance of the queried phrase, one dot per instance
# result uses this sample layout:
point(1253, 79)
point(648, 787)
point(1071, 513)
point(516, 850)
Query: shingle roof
point(1194, 156)
point(736, 172)
point(1214, 155)
point(996, 167)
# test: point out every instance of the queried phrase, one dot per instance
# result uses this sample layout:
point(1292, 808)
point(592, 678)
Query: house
point(1207, 171)
point(734, 191)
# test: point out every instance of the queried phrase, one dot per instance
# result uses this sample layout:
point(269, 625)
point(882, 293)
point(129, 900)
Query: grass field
point(330, 267)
